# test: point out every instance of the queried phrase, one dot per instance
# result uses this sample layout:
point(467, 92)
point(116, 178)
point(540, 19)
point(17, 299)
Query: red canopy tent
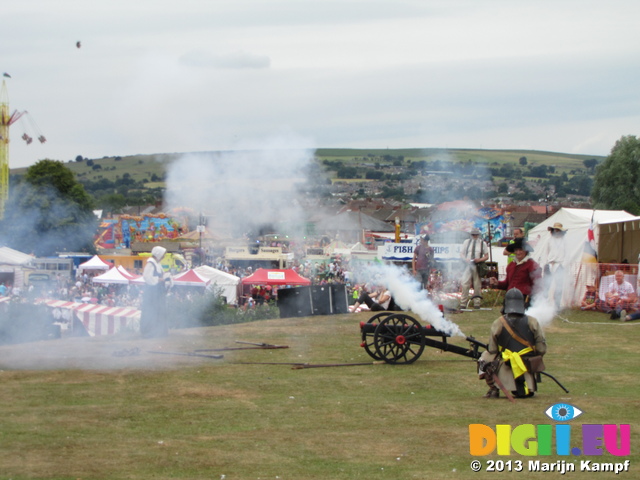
point(264, 276)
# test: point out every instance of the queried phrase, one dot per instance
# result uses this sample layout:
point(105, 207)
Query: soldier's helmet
point(514, 301)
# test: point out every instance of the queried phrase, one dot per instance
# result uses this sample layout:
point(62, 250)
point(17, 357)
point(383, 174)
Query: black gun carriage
point(398, 338)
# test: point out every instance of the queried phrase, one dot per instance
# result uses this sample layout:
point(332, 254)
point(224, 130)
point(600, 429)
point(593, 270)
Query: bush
point(206, 310)
point(24, 322)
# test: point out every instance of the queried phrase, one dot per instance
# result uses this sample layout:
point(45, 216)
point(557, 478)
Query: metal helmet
point(514, 302)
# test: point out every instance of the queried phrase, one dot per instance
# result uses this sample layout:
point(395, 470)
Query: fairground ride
point(6, 120)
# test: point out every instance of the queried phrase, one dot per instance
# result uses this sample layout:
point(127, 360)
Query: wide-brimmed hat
point(557, 226)
point(474, 231)
point(519, 243)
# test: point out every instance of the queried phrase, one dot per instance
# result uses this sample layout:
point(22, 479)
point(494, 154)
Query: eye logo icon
point(562, 412)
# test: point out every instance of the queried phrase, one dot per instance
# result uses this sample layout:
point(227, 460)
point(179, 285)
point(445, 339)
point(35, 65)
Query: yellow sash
point(517, 365)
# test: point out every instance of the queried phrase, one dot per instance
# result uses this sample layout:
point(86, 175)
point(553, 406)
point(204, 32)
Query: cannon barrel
point(476, 342)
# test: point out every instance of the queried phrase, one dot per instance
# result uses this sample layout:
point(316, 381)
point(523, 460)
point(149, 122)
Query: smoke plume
point(240, 190)
point(408, 294)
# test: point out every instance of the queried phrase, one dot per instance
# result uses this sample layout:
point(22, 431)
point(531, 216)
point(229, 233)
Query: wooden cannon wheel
point(368, 336)
point(399, 339)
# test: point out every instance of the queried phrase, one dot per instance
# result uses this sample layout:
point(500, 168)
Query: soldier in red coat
point(523, 273)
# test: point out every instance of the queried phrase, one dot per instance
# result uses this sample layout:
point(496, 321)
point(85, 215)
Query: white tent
point(112, 276)
point(610, 227)
point(126, 273)
point(9, 256)
point(94, 263)
point(225, 281)
point(577, 221)
point(13, 265)
point(190, 278)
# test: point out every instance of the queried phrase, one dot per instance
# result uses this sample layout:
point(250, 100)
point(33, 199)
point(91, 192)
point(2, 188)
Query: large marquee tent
point(616, 238)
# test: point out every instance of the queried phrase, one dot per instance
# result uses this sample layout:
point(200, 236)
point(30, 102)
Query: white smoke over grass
point(408, 294)
point(241, 190)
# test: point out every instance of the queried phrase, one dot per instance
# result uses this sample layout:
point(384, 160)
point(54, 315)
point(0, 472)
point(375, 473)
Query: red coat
point(525, 277)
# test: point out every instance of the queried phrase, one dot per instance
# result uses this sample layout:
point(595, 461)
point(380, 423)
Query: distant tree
point(89, 163)
point(581, 185)
point(112, 202)
point(615, 185)
point(523, 161)
point(347, 172)
point(49, 212)
point(96, 166)
point(590, 163)
point(373, 175)
point(79, 158)
point(539, 171)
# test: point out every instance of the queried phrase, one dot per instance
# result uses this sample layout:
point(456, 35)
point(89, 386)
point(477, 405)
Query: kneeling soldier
point(515, 351)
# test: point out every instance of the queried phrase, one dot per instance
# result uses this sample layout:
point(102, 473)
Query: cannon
point(398, 338)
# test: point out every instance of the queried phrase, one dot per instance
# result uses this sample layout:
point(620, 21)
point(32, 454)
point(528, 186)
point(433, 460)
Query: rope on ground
point(613, 322)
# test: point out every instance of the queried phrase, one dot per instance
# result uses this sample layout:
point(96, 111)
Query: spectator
point(517, 233)
point(423, 261)
point(590, 300)
point(619, 296)
point(473, 251)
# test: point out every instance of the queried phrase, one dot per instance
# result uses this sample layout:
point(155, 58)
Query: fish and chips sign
point(403, 252)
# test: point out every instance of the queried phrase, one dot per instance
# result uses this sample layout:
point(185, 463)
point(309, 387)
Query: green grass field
point(78, 408)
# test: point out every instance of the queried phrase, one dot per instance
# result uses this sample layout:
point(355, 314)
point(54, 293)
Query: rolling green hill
point(144, 167)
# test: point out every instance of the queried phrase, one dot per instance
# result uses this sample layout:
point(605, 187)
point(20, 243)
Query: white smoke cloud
point(408, 294)
point(543, 306)
point(253, 185)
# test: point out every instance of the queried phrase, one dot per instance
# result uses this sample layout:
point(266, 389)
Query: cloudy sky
point(156, 76)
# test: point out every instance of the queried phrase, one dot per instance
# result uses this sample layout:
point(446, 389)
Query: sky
point(156, 76)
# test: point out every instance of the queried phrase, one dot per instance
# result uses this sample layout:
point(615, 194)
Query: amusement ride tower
point(6, 120)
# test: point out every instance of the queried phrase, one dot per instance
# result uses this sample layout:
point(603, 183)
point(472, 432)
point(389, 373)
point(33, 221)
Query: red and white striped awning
point(100, 319)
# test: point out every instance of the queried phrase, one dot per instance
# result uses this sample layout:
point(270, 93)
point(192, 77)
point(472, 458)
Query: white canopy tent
point(112, 276)
point(94, 263)
point(614, 233)
point(223, 280)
